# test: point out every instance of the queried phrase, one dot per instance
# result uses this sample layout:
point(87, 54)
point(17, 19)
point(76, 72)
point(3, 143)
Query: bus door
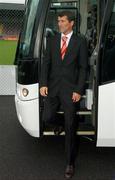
point(106, 79)
point(27, 61)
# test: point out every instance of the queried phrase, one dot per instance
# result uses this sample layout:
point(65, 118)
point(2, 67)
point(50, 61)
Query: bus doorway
point(86, 26)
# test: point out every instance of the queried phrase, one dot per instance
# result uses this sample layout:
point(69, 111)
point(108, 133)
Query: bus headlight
point(25, 92)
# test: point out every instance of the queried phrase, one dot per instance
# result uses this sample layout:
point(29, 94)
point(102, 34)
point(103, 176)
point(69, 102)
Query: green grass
point(7, 52)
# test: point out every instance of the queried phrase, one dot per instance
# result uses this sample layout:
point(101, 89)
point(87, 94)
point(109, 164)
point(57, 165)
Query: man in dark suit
point(62, 80)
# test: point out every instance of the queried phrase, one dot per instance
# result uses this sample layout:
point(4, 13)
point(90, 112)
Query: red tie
point(64, 47)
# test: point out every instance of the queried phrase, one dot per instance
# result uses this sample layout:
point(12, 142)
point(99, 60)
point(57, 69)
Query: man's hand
point(44, 91)
point(76, 97)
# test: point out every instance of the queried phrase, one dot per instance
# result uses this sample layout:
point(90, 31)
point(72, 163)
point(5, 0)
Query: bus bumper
point(28, 115)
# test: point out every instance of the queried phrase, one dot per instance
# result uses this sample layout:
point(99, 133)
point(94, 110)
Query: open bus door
point(27, 62)
point(105, 79)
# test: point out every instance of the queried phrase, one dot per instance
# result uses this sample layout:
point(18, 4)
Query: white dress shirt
point(67, 35)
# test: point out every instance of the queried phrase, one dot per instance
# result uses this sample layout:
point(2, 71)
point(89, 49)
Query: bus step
point(78, 112)
point(82, 129)
point(84, 112)
point(48, 133)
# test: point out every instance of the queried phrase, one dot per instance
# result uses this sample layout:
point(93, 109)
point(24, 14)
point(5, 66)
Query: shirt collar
point(67, 35)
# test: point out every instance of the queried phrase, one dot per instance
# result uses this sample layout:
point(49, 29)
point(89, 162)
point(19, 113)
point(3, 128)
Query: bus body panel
point(106, 115)
point(28, 111)
point(32, 91)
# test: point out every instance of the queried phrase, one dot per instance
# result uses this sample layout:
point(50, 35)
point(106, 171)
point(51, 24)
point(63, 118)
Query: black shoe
point(69, 172)
point(58, 130)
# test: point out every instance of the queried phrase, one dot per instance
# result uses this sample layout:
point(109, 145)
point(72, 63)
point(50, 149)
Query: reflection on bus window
point(28, 27)
point(108, 61)
point(91, 30)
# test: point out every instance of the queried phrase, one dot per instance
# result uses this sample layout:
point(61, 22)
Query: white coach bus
point(95, 20)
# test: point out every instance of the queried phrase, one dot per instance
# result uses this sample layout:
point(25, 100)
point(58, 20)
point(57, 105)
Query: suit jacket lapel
point(57, 45)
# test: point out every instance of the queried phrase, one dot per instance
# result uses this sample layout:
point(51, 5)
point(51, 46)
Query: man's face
point(64, 24)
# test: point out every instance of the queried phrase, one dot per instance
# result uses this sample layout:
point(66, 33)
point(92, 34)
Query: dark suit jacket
point(68, 74)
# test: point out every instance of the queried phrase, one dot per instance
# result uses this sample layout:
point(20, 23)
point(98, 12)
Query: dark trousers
point(51, 105)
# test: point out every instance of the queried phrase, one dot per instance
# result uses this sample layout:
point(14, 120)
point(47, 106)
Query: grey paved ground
point(23, 157)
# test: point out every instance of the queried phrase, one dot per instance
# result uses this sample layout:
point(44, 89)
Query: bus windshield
point(26, 36)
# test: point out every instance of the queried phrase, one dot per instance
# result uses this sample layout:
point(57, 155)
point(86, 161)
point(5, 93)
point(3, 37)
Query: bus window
point(108, 59)
point(26, 37)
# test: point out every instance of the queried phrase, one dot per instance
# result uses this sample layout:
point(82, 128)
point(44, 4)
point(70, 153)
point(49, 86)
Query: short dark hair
point(69, 14)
